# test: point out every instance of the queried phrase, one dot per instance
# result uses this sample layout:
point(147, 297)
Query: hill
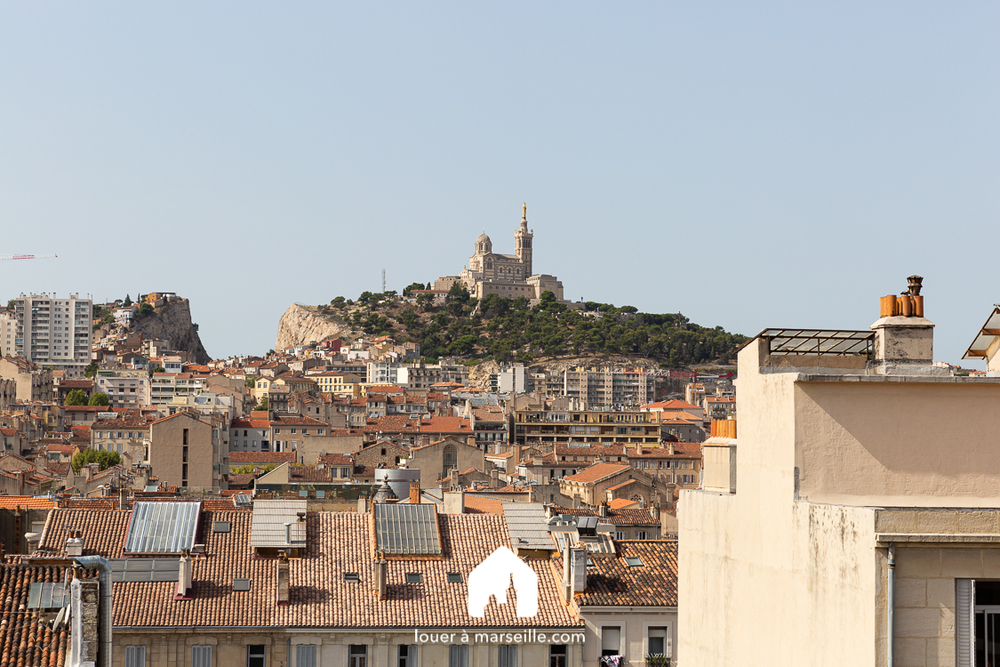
point(170, 321)
point(506, 330)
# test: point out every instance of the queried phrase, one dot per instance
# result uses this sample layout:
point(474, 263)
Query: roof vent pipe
point(288, 533)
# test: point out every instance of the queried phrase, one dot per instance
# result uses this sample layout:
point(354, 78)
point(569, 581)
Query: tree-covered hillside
point(513, 330)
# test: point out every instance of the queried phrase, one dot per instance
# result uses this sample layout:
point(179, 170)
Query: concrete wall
point(167, 447)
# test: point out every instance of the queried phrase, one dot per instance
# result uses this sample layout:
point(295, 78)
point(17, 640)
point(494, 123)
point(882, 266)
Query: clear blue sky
point(747, 164)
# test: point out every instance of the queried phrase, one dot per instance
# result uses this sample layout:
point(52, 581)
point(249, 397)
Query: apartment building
point(858, 511)
point(54, 332)
point(31, 381)
point(422, 376)
point(125, 388)
point(540, 426)
point(165, 386)
point(602, 388)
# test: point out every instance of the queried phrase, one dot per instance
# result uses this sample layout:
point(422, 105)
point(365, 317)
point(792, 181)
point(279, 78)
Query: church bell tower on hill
point(522, 242)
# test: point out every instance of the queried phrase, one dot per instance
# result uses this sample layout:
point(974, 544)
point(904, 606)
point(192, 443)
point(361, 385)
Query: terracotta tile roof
point(297, 420)
point(669, 405)
point(564, 449)
point(619, 517)
point(481, 505)
point(26, 636)
point(682, 450)
point(9, 432)
point(445, 425)
point(612, 581)
point(597, 472)
point(299, 474)
point(261, 457)
point(242, 479)
point(251, 423)
point(335, 459)
point(338, 542)
point(622, 503)
point(23, 502)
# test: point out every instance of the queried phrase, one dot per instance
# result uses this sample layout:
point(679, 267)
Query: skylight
point(406, 529)
point(635, 561)
point(168, 527)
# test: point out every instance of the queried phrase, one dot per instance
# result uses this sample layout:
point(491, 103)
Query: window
point(201, 656)
point(305, 655)
point(507, 655)
point(357, 655)
point(619, 535)
point(611, 640)
point(634, 561)
point(977, 608)
point(135, 656)
point(641, 535)
point(458, 656)
point(656, 642)
point(256, 655)
point(407, 655)
point(557, 655)
point(414, 578)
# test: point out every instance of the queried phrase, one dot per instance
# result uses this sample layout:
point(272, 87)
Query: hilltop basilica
point(507, 275)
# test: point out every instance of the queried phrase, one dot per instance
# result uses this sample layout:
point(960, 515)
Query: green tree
point(250, 381)
point(128, 301)
point(338, 302)
point(100, 398)
point(159, 369)
point(263, 405)
point(458, 292)
point(144, 310)
point(91, 370)
point(102, 457)
point(412, 286)
point(76, 397)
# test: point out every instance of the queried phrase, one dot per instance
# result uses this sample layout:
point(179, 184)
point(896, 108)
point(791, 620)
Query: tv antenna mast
point(383, 281)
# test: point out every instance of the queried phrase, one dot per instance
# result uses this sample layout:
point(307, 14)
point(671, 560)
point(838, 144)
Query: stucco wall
point(634, 623)
point(917, 444)
point(765, 579)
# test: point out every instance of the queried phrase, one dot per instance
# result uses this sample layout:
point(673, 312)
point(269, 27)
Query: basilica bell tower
point(522, 242)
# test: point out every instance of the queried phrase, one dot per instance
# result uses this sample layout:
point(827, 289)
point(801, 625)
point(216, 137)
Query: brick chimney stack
point(414, 493)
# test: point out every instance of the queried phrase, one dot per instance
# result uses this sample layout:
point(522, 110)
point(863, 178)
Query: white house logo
point(493, 576)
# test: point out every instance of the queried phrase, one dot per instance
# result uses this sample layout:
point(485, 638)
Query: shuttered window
point(458, 656)
point(965, 619)
point(305, 655)
point(611, 640)
point(135, 656)
point(508, 655)
point(201, 656)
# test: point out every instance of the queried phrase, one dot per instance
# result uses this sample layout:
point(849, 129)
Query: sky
point(750, 165)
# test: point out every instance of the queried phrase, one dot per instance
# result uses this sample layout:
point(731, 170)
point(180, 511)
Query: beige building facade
point(850, 513)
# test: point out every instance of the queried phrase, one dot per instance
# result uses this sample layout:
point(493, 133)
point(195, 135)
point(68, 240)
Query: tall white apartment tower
point(54, 332)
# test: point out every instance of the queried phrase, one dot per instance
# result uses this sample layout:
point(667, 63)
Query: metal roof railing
point(819, 342)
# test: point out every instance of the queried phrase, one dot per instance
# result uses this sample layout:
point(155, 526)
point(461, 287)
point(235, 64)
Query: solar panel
point(243, 500)
point(47, 596)
point(241, 584)
point(144, 569)
point(162, 527)
point(406, 529)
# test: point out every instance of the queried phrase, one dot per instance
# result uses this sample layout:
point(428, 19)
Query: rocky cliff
point(172, 322)
point(301, 325)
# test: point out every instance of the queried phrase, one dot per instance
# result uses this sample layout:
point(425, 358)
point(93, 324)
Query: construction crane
point(3, 257)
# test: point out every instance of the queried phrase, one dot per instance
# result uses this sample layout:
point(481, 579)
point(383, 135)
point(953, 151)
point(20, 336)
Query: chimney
point(567, 585)
point(454, 502)
point(283, 578)
point(90, 470)
point(85, 628)
point(670, 448)
point(183, 576)
point(602, 510)
point(578, 558)
point(362, 505)
point(655, 511)
point(904, 339)
point(414, 493)
point(453, 479)
point(517, 454)
point(288, 533)
point(123, 499)
point(495, 478)
point(74, 544)
point(381, 577)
